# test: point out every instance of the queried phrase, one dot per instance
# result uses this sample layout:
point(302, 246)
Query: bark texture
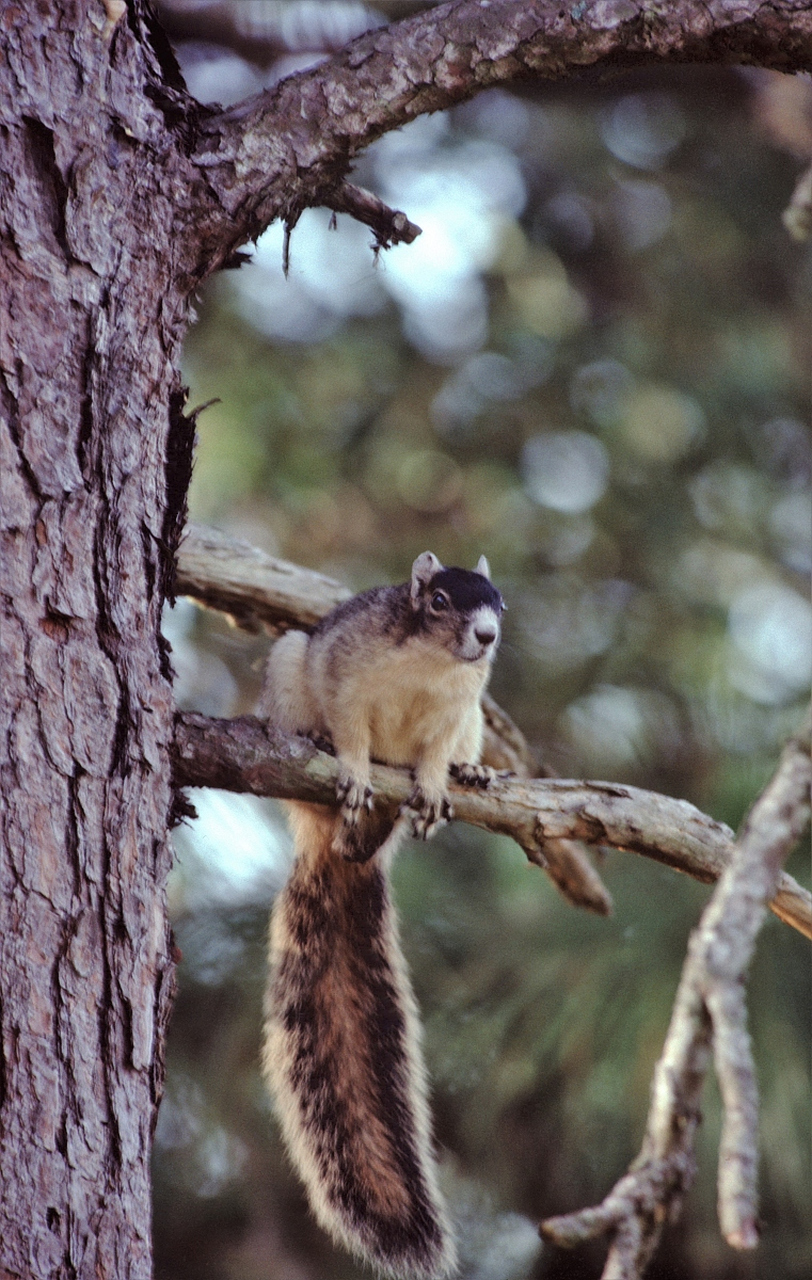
point(93, 466)
point(118, 193)
point(292, 146)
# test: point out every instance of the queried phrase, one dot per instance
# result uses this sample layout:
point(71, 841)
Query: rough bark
point(94, 455)
point(118, 193)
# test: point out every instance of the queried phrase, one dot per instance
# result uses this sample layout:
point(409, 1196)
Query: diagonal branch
point(709, 1015)
point(291, 147)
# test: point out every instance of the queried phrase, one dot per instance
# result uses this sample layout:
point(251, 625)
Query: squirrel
point(395, 675)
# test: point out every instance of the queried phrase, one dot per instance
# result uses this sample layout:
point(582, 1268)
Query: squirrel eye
point(439, 601)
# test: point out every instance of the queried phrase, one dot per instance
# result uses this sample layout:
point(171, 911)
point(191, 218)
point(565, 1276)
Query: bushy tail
point(342, 1056)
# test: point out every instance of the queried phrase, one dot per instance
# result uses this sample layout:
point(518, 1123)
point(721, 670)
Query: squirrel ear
point(423, 570)
point(483, 567)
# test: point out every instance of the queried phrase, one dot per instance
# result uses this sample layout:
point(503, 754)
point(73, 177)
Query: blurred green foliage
point(624, 441)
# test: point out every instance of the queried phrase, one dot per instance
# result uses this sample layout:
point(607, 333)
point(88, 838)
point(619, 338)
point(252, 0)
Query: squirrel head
point(459, 607)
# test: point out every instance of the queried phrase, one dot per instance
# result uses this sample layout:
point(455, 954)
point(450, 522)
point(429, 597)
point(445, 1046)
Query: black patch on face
point(466, 590)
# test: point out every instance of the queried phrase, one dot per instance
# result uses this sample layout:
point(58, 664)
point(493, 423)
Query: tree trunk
point(90, 410)
point(117, 195)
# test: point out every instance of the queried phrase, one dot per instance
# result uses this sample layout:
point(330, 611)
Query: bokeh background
point(593, 367)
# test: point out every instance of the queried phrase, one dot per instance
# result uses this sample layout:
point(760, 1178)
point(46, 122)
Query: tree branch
point(245, 754)
point(709, 1014)
point(290, 147)
point(390, 225)
point(257, 590)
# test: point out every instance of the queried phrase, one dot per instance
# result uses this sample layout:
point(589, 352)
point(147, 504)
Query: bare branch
point(709, 1013)
point(390, 225)
point(290, 147)
point(258, 590)
point(728, 930)
point(245, 754)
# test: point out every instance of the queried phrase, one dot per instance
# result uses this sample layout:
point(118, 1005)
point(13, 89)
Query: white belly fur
point(415, 698)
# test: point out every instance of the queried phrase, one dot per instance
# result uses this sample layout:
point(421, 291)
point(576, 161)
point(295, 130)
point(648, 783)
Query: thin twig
point(709, 1015)
point(391, 226)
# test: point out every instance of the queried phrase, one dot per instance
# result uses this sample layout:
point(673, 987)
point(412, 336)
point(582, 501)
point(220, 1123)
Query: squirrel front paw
point(353, 796)
point(426, 814)
point(473, 775)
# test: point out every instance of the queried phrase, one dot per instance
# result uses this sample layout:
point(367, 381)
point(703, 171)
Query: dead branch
point(709, 1015)
point(391, 226)
point(245, 754)
point(259, 591)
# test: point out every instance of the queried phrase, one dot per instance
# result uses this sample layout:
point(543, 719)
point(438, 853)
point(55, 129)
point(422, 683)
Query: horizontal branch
point(257, 590)
point(290, 147)
point(245, 754)
point(709, 1014)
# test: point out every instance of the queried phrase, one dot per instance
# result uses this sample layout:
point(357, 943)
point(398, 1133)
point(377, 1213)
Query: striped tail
point(342, 1056)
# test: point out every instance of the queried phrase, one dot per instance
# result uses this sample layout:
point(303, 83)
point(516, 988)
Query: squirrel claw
point(353, 796)
point(426, 815)
point(473, 775)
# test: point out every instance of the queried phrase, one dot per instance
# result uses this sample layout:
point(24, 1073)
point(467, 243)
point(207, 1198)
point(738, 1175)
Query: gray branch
point(709, 1015)
point(291, 146)
point(246, 754)
point(391, 226)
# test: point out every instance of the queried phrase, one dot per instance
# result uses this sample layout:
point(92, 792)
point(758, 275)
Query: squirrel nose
point(485, 637)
